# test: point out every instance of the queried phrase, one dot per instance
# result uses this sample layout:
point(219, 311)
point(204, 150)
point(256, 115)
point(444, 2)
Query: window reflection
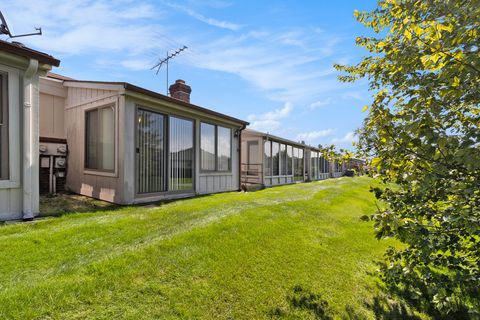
point(181, 154)
point(151, 152)
point(224, 148)
point(207, 146)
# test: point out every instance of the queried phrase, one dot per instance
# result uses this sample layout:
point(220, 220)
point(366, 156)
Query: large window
point(100, 139)
point(289, 160)
point(181, 154)
point(224, 149)
point(207, 147)
point(283, 160)
point(3, 127)
point(268, 158)
point(314, 165)
point(298, 164)
point(275, 159)
point(216, 148)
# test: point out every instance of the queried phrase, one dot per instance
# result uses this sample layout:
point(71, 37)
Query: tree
point(422, 132)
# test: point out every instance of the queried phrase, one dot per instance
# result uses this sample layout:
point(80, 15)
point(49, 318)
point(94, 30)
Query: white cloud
point(80, 27)
point(320, 103)
point(270, 121)
point(348, 138)
point(313, 136)
point(202, 18)
point(285, 65)
point(288, 64)
point(354, 95)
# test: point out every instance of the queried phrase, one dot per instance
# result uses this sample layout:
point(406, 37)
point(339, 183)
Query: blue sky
point(267, 62)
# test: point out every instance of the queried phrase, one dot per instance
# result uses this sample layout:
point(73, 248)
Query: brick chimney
point(181, 91)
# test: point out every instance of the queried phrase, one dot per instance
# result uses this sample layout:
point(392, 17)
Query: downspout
point(30, 125)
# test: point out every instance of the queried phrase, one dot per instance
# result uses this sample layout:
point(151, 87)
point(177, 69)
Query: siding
point(108, 187)
point(11, 204)
point(52, 123)
point(52, 108)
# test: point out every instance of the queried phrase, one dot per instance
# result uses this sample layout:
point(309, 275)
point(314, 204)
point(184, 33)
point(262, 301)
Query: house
point(20, 69)
point(269, 160)
point(126, 144)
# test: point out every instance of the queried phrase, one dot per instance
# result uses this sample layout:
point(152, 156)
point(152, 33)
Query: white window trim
point(87, 171)
point(14, 134)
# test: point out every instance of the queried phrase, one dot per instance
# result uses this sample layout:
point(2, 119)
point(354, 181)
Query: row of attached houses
point(124, 144)
point(268, 160)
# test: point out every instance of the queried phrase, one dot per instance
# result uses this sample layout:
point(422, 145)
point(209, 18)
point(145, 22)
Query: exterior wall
point(11, 192)
point(19, 196)
point(101, 185)
point(52, 108)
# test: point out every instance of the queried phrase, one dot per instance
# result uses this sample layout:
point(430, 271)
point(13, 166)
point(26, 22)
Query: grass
point(291, 252)
point(58, 204)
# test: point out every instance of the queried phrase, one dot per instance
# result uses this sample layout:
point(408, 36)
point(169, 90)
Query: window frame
point(13, 92)
point(102, 172)
point(216, 170)
point(169, 151)
point(4, 128)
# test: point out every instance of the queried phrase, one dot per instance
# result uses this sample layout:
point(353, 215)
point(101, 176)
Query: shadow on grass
point(304, 300)
point(396, 303)
point(383, 305)
point(55, 205)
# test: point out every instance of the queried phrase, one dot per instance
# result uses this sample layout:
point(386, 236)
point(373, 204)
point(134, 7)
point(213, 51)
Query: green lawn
point(284, 252)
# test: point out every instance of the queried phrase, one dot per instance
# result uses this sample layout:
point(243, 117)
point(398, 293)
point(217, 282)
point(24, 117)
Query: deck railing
point(252, 173)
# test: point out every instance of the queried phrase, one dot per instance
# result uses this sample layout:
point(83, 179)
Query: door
point(151, 164)
point(181, 154)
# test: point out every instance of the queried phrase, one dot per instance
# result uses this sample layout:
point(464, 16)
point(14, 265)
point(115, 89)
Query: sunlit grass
point(228, 256)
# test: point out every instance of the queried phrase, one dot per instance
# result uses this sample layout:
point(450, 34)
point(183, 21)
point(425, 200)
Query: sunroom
point(131, 145)
point(268, 160)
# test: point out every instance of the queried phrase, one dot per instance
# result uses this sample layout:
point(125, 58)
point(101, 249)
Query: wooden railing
point(252, 173)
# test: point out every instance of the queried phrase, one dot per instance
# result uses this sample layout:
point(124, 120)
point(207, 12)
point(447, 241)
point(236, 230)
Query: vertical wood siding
point(79, 180)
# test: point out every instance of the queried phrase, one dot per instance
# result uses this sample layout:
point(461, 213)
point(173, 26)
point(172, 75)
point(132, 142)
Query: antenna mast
point(165, 60)
point(5, 30)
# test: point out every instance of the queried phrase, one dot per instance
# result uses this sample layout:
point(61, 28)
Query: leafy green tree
point(422, 132)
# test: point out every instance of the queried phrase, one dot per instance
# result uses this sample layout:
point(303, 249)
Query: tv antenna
point(165, 60)
point(5, 30)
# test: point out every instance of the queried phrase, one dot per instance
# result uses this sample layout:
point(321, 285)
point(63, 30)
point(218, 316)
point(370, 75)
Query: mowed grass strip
point(224, 256)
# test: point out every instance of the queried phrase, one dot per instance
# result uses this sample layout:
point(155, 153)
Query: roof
point(280, 139)
point(153, 94)
point(58, 76)
point(19, 49)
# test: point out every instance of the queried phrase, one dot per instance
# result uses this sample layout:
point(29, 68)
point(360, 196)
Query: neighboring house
point(269, 160)
point(20, 68)
point(127, 144)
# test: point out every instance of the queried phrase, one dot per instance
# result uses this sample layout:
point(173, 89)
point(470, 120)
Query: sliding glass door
point(150, 152)
point(181, 154)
